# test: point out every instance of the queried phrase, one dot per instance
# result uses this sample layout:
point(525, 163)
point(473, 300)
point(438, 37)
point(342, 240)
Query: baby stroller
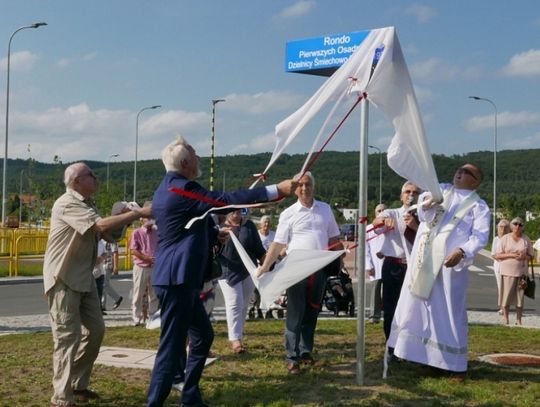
point(339, 294)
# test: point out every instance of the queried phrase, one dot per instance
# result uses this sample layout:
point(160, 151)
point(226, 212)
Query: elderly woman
point(515, 249)
point(503, 227)
point(236, 283)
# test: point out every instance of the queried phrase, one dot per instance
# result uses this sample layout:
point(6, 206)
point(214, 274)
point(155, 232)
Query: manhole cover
point(512, 359)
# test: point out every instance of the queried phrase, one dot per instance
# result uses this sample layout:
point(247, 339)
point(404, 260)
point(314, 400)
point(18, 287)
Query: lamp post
point(20, 198)
point(108, 161)
point(380, 171)
point(137, 148)
point(494, 227)
point(34, 25)
point(214, 103)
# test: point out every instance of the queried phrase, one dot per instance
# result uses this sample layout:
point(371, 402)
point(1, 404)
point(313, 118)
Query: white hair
point(72, 172)
point(306, 174)
point(264, 218)
point(176, 152)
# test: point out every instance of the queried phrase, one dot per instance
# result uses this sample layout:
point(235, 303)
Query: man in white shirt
point(307, 224)
point(399, 229)
point(374, 261)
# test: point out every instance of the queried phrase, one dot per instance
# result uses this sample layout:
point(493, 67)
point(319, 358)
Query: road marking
point(485, 275)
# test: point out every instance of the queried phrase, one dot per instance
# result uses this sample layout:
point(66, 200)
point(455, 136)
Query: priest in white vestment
point(430, 323)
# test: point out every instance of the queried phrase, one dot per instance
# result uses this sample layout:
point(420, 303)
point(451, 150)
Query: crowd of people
point(417, 256)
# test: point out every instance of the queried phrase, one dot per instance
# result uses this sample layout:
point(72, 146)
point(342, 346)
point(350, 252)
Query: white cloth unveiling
point(376, 70)
point(297, 265)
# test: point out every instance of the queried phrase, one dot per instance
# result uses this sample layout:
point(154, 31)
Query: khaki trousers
point(77, 329)
point(142, 284)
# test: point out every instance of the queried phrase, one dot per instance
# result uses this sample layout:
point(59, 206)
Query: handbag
point(530, 284)
point(214, 270)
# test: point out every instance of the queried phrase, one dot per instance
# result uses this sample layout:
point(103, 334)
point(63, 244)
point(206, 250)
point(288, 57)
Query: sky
point(77, 84)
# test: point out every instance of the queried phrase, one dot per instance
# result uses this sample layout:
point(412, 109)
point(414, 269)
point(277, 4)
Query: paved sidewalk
point(38, 323)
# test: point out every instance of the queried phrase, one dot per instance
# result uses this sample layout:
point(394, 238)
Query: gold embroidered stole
point(431, 249)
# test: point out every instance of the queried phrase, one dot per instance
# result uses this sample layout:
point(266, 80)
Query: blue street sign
point(322, 55)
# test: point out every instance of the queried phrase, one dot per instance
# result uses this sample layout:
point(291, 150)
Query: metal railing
point(20, 244)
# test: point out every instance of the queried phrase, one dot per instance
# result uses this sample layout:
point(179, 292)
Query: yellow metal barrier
point(29, 247)
point(6, 245)
point(30, 244)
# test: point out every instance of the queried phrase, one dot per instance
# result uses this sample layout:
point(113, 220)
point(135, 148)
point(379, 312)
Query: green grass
point(259, 378)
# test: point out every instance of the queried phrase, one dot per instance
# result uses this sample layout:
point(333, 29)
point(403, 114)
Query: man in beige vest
point(74, 307)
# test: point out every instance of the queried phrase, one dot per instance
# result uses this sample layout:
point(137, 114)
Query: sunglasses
point(466, 171)
point(517, 224)
point(88, 174)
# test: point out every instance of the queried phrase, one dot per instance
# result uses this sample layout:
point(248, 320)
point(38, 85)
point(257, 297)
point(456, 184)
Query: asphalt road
point(28, 299)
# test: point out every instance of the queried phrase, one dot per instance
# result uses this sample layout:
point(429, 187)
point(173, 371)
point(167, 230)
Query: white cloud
point(504, 119)
point(63, 62)
point(78, 132)
point(298, 9)
point(434, 69)
point(422, 13)
point(22, 61)
point(263, 102)
point(90, 56)
point(524, 64)
point(257, 144)
point(521, 142)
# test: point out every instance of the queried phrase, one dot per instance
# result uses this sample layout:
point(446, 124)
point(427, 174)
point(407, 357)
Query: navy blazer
point(182, 254)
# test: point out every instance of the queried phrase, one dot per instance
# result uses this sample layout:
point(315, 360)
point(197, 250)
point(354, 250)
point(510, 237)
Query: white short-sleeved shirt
point(393, 238)
point(306, 228)
point(72, 245)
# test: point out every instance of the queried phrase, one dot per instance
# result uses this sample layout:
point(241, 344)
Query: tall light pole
point(214, 103)
point(20, 198)
point(4, 174)
point(108, 161)
point(137, 148)
point(494, 227)
point(380, 171)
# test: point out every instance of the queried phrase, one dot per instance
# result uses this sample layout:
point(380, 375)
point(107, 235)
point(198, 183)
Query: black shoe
point(117, 303)
point(260, 314)
point(307, 359)
point(85, 395)
point(103, 312)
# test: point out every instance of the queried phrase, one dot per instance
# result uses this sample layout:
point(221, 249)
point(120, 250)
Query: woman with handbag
point(503, 227)
point(236, 283)
point(515, 250)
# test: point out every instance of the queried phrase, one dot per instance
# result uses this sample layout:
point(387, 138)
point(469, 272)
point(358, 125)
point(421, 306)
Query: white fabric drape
point(388, 86)
point(297, 265)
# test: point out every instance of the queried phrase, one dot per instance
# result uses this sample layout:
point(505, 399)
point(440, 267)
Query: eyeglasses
point(466, 171)
point(517, 224)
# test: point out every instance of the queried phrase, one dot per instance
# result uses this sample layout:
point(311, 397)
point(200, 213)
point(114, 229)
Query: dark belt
point(395, 260)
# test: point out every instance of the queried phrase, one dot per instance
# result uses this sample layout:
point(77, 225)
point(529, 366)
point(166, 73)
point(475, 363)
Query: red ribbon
point(196, 196)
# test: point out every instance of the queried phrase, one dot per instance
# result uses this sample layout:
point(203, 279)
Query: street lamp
point(214, 103)
point(137, 148)
point(111, 156)
point(494, 227)
point(380, 171)
point(20, 198)
point(4, 200)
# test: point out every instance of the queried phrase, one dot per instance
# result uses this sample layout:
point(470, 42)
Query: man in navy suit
point(181, 262)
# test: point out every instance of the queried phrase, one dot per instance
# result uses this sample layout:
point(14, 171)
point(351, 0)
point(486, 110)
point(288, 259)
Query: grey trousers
point(302, 313)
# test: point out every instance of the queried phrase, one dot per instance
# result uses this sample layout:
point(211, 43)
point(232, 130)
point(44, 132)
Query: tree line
point(336, 175)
